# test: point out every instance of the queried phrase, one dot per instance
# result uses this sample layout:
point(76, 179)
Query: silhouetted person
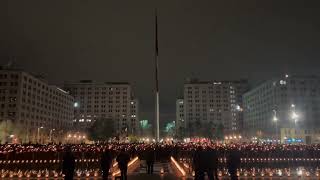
point(198, 164)
point(68, 165)
point(123, 158)
point(150, 157)
point(106, 160)
point(211, 163)
point(233, 163)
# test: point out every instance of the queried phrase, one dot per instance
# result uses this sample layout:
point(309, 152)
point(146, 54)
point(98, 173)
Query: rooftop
point(196, 81)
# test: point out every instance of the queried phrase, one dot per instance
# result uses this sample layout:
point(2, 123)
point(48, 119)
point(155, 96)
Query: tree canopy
point(102, 129)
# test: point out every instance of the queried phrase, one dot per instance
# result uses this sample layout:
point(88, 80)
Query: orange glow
point(186, 165)
point(115, 164)
point(129, 164)
point(116, 172)
point(178, 166)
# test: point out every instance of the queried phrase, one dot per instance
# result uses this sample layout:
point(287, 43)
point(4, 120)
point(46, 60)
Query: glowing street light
point(38, 134)
point(275, 119)
point(50, 134)
point(294, 116)
point(76, 104)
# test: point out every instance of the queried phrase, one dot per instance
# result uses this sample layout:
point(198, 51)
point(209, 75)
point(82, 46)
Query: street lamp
point(75, 104)
point(50, 135)
point(294, 115)
point(275, 120)
point(38, 135)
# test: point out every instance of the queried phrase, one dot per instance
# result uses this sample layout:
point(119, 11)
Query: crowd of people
point(51, 151)
point(204, 157)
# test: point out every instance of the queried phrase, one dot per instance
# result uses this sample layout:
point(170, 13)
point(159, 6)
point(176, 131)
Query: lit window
point(282, 82)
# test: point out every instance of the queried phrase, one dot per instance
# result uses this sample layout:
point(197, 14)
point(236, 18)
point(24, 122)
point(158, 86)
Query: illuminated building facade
point(293, 135)
point(30, 102)
point(287, 102)
point(110, 100)
point(180, 121)
point(212, 106)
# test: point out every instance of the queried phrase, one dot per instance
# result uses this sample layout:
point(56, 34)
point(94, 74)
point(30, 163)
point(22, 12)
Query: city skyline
point(160, 89)
point(207, 39)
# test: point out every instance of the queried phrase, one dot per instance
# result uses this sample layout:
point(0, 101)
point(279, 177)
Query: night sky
point(108, 40)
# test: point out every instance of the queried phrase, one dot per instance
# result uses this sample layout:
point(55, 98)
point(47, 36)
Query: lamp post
point(294, 115)
point(275, 120)
point(50, 134)
point(26, 138)
point(5, 132)
point(38, 134)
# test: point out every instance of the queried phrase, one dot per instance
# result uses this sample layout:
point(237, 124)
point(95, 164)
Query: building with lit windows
point(109, 100)
point(134, 121)
point(180, 122)
point(279, 103)
point(294, 136)
point(209, 105)
point(30, 102)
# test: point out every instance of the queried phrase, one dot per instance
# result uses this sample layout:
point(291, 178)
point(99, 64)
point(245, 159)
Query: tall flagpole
point(156, 76)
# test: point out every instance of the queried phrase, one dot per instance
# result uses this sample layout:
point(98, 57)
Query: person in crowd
point(123, 159)
point(198, 164)
point(150, 158)
point(106, 160)
point(233, 163)
point(211, 163)
point(68, 165)
point(256, 156)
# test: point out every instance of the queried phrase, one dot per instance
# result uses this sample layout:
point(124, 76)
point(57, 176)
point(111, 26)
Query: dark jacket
point(106, 160)
point(198, 159)
point(234, 160)
point(68, 165)
point(150, 156)
point(210, 159)
point(123, 158)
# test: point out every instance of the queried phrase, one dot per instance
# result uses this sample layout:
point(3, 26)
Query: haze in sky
point(114, 41)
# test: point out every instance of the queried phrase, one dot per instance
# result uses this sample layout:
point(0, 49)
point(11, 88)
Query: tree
point(181, 132)
point(133, 139)
point(8, 128)
point(198, 126)
point(207, 130)
point(101, 130)
point(146, 128)
point(219, 131)
point(170, 128)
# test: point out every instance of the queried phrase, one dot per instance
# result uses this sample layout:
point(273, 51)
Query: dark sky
point(109, 40)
